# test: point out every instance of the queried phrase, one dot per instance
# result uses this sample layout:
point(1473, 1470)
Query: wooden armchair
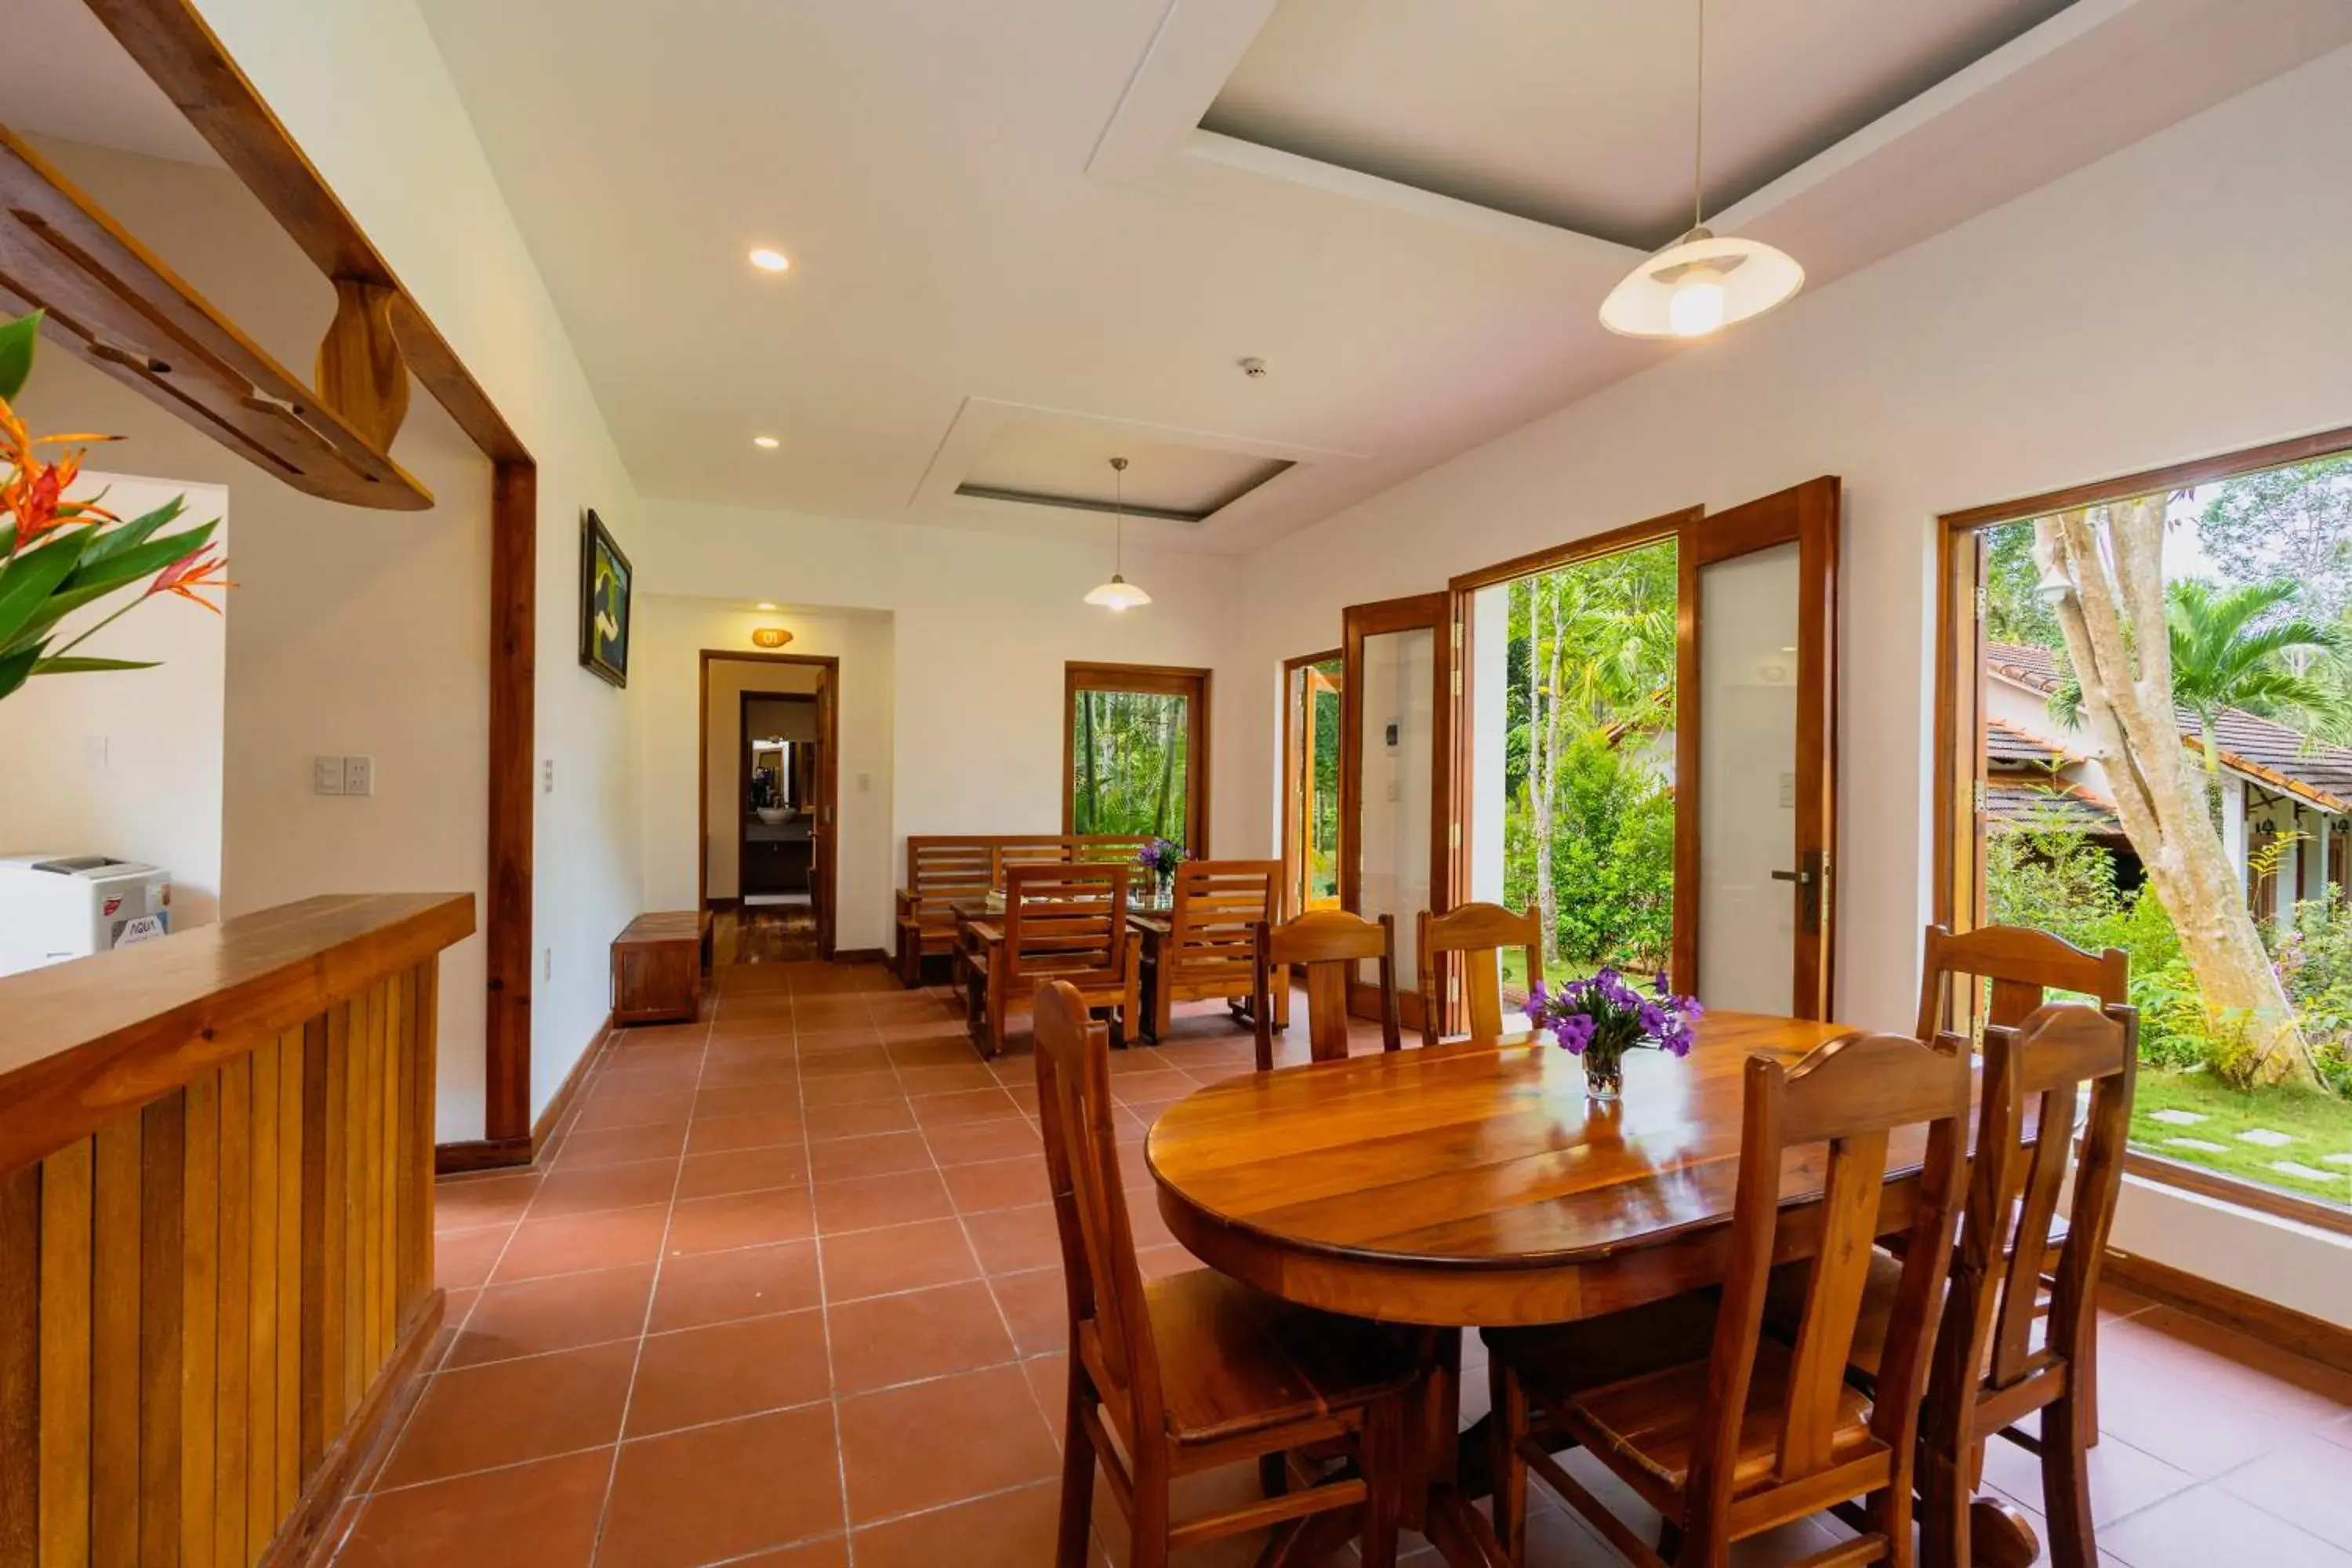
point(1483, 929)
point(1194, 1370)
point(1726, 1431)
point(1064, 922)
point(1328, 944)
point(1211, 938)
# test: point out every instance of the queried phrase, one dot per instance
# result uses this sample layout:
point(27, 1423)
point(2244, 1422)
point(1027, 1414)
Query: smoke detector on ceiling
point(1254, 368)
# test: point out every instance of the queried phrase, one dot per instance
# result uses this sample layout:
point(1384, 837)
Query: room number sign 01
point(770, 636)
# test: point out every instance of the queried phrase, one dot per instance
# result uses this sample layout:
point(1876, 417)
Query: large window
point(2191, 807)
point(1137, 749)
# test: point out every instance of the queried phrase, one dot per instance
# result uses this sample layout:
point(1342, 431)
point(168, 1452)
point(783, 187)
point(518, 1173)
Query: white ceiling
point(1580, 115)
point(1011, 215)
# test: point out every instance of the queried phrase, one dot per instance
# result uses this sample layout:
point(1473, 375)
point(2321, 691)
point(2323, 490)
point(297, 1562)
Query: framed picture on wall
point(605, 582)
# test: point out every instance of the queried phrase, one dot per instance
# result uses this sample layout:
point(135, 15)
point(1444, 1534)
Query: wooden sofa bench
point(943, 869)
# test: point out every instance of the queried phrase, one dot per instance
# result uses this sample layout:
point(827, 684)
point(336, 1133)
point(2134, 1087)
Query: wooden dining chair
point(2018, 1332)
point(1479, 933)
point(1194, 1370)
point(1727, 1431)
point(1209, 950)
point(2022, 967)
point(1328, 944)
point(1065, 922)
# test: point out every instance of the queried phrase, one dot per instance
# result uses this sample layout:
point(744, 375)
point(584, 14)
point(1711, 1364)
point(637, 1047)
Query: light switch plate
point(326, 775)
point(547, 776)
point(359, 775)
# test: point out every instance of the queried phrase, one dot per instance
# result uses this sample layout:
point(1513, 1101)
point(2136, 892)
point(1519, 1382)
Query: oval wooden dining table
point(1474, 1184)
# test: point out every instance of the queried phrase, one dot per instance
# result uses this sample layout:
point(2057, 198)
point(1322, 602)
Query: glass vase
point(1604, 1075)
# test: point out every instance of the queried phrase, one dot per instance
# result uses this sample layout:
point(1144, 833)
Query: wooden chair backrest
point(1066, 921)
point(2043, 1063)
point(1328, 944)
point(1099, 1271)
point(943, 868)
point(2024, 966)
point(1854, 1095)
point(1211, 929)
point(941, 871)
point(1482, 931)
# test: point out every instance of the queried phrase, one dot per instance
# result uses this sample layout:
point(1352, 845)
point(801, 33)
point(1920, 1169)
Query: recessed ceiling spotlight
point(766, 443)
point(768, 260)
point(763, 604)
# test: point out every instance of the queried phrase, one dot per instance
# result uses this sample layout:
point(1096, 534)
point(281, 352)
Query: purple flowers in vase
point(1602, 1018)
point(1161, 857)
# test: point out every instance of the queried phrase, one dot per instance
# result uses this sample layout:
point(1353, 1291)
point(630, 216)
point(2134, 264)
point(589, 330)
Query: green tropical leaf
point(16, 667)
point(16, 340)
point(128, 565)
point(78, 666)
point(117, 540)
point(28, 581)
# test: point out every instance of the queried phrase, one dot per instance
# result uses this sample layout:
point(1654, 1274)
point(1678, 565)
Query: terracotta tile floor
point(784, 1291)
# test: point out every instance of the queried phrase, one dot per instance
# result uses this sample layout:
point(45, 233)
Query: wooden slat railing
point(215, 1229)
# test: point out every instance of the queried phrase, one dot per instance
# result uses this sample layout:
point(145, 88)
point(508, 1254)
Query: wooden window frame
point(1957, 878)
point(1151, 680)
point(1293, 832)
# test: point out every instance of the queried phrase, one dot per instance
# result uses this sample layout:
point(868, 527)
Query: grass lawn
point(2317, 1126)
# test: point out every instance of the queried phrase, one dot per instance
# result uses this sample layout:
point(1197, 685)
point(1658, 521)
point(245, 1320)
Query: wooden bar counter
point(215, 1229)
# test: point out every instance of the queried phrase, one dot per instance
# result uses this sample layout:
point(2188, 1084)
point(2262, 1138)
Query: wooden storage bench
point(657, 966)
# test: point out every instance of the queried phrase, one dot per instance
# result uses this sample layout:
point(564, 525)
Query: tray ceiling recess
point(115, 305)
point(1045, 462)
point(1578, 116)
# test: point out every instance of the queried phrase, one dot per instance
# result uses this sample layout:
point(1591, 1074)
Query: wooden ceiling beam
point(174, 45)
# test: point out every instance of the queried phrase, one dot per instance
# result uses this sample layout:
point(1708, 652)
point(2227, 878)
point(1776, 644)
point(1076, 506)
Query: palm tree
point(2228, 653)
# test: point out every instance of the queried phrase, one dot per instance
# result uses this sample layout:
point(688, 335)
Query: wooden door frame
point(1808, 516)
point(1294, 833)
point(170, 41)
point(825, 864)
point(1413, 611)
point(1160, 679)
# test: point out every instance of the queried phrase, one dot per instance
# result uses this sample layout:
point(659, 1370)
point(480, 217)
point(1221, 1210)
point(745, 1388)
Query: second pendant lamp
point(1704, 281)
point(1118, 594)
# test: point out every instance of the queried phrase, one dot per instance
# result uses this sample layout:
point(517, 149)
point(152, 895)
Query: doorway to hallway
point(769, 760)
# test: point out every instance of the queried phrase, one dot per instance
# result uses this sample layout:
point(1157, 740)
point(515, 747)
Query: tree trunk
point(1089, 809)
point(1543, 757)
point(1166, 769)
point(2117, 640)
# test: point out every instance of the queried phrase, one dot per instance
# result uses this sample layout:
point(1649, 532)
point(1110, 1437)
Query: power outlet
point(359, 775)
point(546, 964)
point(326, 775)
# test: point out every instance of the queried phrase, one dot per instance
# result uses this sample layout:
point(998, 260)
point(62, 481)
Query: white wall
point(983, 625)
point(363, 88)
point(671, 634)
point(348, 632)
point(128, 763)
point(2145, 309)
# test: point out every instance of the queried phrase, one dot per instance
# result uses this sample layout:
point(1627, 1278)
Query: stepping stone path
point(2266, 1138)
point(2176, 1118)
point(2199, 1144)
point(2296, 1168)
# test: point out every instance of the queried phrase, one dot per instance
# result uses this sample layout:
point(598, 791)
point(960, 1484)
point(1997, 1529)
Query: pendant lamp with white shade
point(1118, 594)
point(1704, 281)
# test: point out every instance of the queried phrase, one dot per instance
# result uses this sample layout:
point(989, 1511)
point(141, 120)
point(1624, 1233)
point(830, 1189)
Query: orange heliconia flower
point(35, 493)
point(194, 570)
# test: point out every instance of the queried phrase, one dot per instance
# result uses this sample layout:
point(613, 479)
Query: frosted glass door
point(1749, 856)
point(1399, 747)
point(1755, 755)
